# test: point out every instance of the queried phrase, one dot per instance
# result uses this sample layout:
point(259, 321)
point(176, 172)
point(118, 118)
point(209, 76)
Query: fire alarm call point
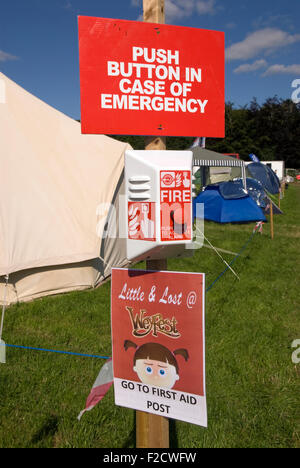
point(158, 188)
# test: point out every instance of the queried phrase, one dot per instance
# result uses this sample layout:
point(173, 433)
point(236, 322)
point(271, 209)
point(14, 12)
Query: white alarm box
point(158, 205)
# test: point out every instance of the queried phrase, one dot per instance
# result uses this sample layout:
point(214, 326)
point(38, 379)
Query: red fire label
point(175, 201)
point(141, 221)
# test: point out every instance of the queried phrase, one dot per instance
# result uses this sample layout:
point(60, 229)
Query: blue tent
point(265, 175)
point(228, 202)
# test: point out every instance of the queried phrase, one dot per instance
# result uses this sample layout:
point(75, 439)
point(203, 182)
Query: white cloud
point(231, 25)
point(268, 20)
point(68, 5)
point(4, 56)
point(265, 40)
point(177, 9)
point(206, 7)
point(173, 11)
point(283, 69)
point(249, 67)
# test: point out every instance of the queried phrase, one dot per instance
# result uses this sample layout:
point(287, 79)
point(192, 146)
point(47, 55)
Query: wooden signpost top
point(154, 11)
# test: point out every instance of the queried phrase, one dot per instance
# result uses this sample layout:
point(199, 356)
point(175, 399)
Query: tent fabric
point(276, 209)
point(59, 190)
point(257, 193)
point(227, 210)
point(274, 178)
point(265, 176)
point(231, 190)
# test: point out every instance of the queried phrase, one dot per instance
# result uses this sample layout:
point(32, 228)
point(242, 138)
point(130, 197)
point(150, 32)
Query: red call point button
point(167, 179)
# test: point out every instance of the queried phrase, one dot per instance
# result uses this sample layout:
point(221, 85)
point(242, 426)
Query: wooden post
point(152, 431)
point(154, 12)
point(271, 220)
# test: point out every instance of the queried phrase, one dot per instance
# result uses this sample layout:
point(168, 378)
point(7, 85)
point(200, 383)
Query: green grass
point(252, 383)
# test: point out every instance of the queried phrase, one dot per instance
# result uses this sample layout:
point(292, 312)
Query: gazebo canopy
point(205, 157)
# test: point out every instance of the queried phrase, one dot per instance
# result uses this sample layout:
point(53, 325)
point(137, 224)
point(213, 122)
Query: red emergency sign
point(150, 79)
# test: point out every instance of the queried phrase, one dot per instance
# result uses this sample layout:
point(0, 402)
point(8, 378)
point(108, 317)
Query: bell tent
point(59, 196)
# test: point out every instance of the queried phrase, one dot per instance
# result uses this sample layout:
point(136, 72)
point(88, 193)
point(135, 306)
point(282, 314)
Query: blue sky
point(39, 43)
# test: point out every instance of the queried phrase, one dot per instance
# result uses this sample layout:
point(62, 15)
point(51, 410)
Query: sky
point(39, 44)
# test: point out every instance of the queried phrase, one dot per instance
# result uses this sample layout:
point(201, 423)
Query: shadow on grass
point(49, 428)
point(173, 434)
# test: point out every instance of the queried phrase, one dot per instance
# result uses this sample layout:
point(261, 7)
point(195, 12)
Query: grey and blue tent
point(257, 193)
point(265, 175)
point(227, 202)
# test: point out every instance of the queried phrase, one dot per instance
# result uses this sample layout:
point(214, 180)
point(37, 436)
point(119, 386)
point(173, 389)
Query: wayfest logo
point(296, 94)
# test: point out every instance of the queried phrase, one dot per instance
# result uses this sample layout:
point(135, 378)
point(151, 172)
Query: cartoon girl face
point(158, 373)
point(155, 364)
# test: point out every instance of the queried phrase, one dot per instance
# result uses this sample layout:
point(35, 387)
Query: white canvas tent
point(55, 191)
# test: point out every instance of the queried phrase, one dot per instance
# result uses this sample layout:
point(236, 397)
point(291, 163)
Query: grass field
point(252, 383)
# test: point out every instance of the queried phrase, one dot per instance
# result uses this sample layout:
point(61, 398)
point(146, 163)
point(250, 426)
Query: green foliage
point(252, 383)
point(271, 131)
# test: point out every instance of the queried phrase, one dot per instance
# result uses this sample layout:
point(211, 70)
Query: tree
point(271, 131)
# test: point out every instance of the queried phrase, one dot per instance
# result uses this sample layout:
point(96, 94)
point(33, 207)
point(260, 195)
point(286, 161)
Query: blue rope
point(107, 357)
point(232, 261)
point(55, 351)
